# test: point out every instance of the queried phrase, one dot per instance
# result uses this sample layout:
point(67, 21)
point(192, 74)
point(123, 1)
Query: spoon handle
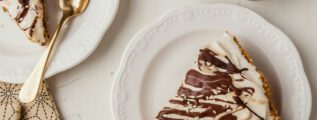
point(31, 86)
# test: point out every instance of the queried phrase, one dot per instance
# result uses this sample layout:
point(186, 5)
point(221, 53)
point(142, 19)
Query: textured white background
point(83, 92)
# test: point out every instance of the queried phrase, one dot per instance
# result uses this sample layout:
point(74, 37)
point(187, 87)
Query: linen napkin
point(42, 108)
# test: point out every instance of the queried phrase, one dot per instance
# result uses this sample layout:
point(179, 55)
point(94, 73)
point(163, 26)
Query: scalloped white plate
point(18, 56)
point(157, 58)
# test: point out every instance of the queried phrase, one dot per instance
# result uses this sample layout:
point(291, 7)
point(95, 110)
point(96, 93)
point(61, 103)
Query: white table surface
point(82, 93)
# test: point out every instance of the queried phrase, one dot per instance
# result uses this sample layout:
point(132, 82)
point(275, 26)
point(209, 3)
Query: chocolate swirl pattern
point(223, 85)
point(29, 15)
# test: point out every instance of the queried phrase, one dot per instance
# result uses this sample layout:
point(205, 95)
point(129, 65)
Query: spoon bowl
point(73, 7)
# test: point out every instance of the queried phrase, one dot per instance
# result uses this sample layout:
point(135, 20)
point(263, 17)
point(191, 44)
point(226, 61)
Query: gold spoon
point(29, 90)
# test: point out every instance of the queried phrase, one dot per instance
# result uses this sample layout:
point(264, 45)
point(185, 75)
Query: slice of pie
point(29, 15)
point(224, 84)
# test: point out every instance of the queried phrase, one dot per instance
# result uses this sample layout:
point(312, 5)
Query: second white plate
point(156, 60)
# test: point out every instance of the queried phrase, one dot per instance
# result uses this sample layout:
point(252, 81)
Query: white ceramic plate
point(18, 56)
point(156, 60)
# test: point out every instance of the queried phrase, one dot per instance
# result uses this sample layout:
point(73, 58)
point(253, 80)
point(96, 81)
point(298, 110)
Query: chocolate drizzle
point(24, 2)
point(208, 56)
point(220, 83)
point(31, 27)
point(25, 7)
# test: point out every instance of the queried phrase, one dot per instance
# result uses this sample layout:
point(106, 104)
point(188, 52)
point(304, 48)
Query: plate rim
point(135, 39)
point(98, 38)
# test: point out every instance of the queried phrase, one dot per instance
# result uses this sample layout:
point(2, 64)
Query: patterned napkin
point(42, 108)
